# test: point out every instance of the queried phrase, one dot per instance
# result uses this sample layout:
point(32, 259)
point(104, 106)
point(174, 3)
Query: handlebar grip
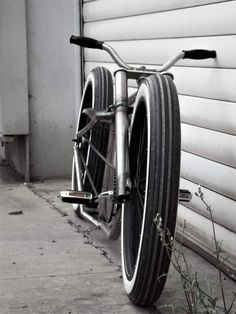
point(86, 42)
point(199, 54)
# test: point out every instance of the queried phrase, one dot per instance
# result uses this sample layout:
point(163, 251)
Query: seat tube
point(121, 127)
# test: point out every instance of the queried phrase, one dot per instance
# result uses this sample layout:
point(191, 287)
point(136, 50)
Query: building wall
point(39, 84)
point(54, 84)
point(14, 111)
point(149, 33)
point(13, 69)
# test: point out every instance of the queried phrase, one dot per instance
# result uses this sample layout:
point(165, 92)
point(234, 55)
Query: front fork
point(122, 136)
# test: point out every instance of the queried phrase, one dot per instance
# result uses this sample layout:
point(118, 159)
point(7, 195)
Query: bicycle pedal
point(185, 195)
point(76, 197)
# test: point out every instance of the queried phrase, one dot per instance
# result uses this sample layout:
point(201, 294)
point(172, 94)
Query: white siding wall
point(149, 32)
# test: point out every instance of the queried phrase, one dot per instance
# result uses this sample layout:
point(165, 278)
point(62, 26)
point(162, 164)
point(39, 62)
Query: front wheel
point(154, 173)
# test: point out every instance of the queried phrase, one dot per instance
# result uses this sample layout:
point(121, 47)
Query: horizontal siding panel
point(198, 229)
point(207, 83)
point(212, 145)
point(209, 174)
point(208, 113)
point(159, 51)
point(189, 22)
point(201, 82)
point(223, 208)
point(101, 10)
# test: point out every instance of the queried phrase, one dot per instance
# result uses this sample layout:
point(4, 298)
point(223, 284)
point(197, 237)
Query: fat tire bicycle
point(126, 165)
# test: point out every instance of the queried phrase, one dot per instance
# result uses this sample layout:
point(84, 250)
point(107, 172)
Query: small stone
point(17, 212)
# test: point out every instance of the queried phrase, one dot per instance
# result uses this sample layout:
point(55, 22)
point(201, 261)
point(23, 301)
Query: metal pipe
point(171, 62)
point(27, 159)
point(116, 57)
point(121, 127)
point(124, 65)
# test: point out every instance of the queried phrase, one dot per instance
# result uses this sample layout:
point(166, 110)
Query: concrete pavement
point(53, 262)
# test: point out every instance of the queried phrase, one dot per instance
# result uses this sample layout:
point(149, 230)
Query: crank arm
point(85, 198)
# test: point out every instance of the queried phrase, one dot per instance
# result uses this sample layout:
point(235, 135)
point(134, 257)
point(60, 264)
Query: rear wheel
point(98, 95)
point(154, 171)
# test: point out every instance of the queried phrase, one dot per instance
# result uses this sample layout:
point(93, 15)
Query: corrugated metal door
point(150, 32)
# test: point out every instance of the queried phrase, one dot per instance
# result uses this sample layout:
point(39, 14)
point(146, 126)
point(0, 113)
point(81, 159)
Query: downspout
point(78, 53)
point(27, 137)
point(81, 20)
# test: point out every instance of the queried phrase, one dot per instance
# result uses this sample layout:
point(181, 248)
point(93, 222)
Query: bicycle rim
point(97, 95)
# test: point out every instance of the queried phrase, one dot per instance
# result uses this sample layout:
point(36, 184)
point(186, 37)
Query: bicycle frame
point(121, 105)
point(120, 116)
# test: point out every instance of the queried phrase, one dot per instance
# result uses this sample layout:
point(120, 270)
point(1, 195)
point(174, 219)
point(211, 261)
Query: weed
point(199, 300)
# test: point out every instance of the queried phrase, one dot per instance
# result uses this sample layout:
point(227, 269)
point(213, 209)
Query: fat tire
point(156, 159)
point(97, 94)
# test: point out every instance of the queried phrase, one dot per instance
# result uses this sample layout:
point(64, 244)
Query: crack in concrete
point(57, 275)
point(84, 231)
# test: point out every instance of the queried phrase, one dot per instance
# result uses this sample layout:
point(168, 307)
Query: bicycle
point(126, 165)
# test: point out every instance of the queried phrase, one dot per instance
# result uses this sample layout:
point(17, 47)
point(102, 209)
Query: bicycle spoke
point(141, 171)
point(88, 174)
point(140, 176)
point(140, 208)
point(99, 154)
point(140, 196)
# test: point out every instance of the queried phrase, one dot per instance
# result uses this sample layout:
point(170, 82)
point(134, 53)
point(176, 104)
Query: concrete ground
point(53, 262)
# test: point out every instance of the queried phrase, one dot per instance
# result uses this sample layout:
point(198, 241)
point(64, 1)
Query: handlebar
point(86, 42)
point(199, 54)
point(196, 54)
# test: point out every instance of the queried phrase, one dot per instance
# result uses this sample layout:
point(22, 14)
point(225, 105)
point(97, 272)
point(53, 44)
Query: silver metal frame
point(121, 127)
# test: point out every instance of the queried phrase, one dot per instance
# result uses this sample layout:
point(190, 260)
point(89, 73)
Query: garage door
point(150, 32)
